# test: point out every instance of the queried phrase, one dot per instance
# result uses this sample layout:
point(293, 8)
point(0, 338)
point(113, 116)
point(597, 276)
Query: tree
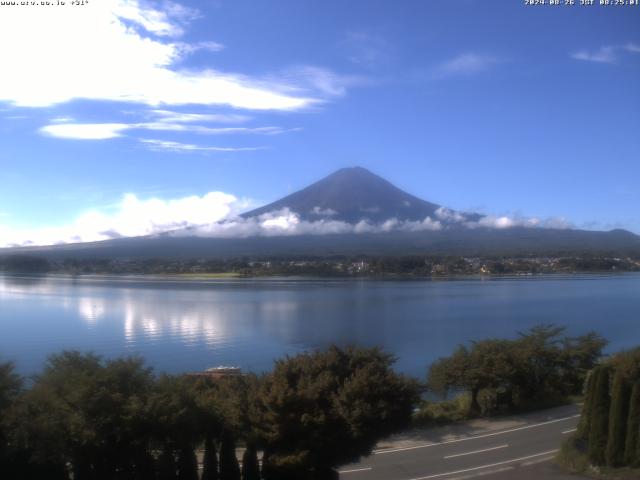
point(489, 364)
point(174, 414)
point(187, 464)
point(539, 359)
point(584, 423)
point(618, 416)
point(579, 356)
point(167, 468)
point(229, 468)
point(599, 417)
point(250, 466)
point(632, 445)
point(90, 413)
point(539, 367)
point(10, 389)
point(325, 409)
point(210, 461)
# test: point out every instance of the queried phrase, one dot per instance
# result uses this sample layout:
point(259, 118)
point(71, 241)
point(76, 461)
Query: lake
point(185, 325)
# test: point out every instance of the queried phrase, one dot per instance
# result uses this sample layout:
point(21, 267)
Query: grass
point(572, 457)
point(444, 412)
point(441, 413)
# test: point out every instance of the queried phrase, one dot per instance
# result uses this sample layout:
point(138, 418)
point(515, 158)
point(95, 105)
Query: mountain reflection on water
point(180, 325)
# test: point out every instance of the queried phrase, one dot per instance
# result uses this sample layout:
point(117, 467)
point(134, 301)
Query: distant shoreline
point(235, 277)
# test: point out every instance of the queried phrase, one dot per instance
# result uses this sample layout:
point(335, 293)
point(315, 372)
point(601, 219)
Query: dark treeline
point(541, 367)
point(609, 429)
point(416, 265)
point(84, 417)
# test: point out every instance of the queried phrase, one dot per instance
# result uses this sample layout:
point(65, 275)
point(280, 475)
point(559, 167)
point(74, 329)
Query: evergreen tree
point(166, 466)
point(632, 445)
point(599, 424)
point(144, 466)
point(618, 416)
point(210, 462)
point(585, 417)
point(229, 468)
point(250, 467)
point(187, 464)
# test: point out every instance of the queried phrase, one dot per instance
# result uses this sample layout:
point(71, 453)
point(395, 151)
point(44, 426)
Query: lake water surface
point(182, 325)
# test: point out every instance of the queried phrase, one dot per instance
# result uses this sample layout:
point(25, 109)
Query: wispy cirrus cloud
point(365, 48)
point(601, 55)
point(606, 54)
point(306, 79)
point(105, 131)
point(178, 147)
point(169, 116)
point(465, 64)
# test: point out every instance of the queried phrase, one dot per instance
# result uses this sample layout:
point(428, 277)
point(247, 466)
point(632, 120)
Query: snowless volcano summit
point(352, 195)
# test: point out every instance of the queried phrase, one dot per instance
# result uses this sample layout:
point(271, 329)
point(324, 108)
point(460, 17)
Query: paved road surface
point(520, 450)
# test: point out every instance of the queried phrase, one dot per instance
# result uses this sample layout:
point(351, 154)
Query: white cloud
point(286, 223)
point(465, 64)
point(87, 131)
point(365, 48)
point(310, 79)
point(166, 145)
point(102, 131)
point(601, 55)
point(632, 47)
point(119, 50)
point(503, 222)
point(132, 217)
point(169, 116)
point(325, 212)
point(189, 48)
point(605, 54)
point(216, 215)
point(448, 215)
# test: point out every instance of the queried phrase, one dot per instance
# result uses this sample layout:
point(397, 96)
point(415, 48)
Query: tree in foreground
point(250, 466)
point(584, 424)
point(539, 367)
point(210, 461)
point(187, 464)
point(325, 409)
point(229, 468)
point(618, 416)
point(488, 364)
point(10, 388)
point(632, 445)
point(599, 425)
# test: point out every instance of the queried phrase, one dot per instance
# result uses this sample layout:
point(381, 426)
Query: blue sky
point(135, 113)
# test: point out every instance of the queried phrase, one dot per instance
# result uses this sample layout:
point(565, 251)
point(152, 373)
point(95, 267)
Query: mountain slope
point(469, 242)
point(351, 195)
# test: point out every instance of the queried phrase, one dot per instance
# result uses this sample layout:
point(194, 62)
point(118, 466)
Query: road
point(526, 441)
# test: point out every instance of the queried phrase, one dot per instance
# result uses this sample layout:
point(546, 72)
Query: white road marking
point(355, 470)
point(502, 432)
point(536, 461)
point(483, 474)
point(569, 431)
point(486, 466)
point(477, 451)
